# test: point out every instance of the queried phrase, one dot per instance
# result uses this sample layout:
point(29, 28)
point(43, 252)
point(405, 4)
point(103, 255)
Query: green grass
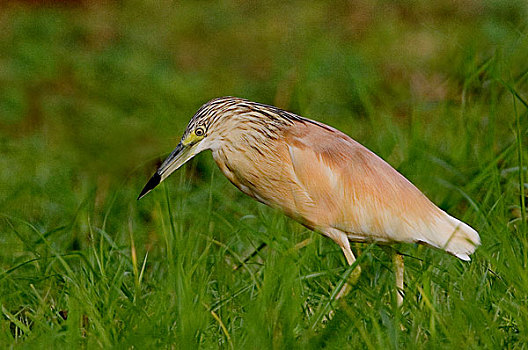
point(92, 96)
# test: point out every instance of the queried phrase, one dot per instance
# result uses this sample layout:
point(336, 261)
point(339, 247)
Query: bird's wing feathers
point(341, 179)
point(357, 192)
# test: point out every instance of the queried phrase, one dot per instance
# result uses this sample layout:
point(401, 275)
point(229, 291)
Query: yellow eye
point(199, 131)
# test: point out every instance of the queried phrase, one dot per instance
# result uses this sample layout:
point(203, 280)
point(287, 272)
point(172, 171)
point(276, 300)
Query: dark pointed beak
point(176, 159)
point(153, 182)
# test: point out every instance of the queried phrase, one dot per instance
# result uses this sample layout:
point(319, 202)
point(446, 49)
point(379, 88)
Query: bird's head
point(221, 120)
point(195, 139)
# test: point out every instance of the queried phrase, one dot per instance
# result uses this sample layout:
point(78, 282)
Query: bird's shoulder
point(330, 146)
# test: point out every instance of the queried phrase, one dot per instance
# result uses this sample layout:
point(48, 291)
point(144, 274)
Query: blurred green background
point(93, 94)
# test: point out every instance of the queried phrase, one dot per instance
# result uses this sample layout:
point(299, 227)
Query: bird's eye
point(199, 131)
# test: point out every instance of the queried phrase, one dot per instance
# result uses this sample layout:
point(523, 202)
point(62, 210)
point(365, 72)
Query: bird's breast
point(267, 175)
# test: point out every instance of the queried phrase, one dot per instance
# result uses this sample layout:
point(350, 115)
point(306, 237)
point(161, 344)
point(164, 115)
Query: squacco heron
point(318, 176)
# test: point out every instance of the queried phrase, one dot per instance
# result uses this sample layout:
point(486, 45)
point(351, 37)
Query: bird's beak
point(176, 159)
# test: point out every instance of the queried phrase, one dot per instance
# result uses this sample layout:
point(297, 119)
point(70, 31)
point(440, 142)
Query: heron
point(318, 176)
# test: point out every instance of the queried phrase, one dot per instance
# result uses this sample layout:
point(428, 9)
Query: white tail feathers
point(454, 236)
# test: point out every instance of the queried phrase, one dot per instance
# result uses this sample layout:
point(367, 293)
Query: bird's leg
point(398, 270)
point(345, 247)
point(397, 260)
point(352, 279)
point(342, 240)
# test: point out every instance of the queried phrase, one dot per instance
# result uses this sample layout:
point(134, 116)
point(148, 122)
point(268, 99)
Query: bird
point(318, 176)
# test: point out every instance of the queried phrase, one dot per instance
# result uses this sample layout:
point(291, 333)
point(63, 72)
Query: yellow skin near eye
point(192, 139)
